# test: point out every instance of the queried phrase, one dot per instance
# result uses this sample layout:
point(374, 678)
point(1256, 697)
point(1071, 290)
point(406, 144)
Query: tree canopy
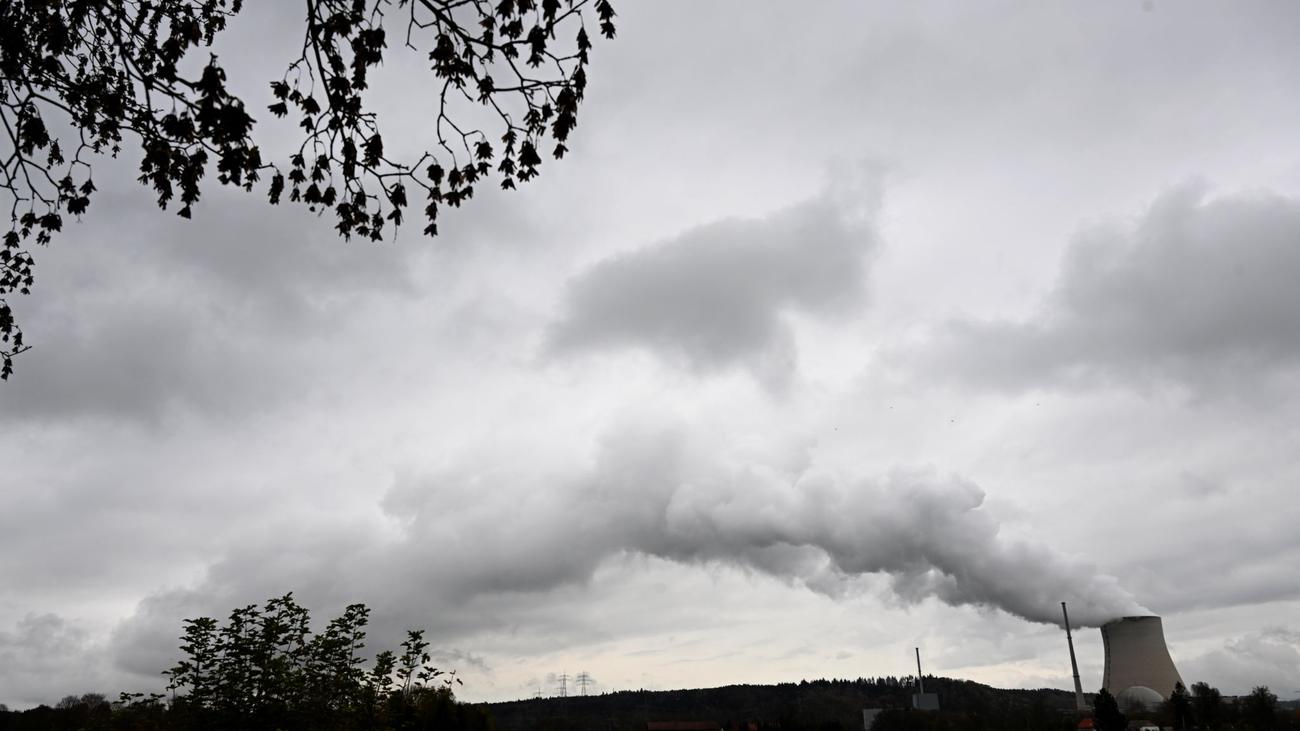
point(79, 78)
point(1261, 709)
point(264, 668)
point(1107, 714)
point(1179, 706)
point(1207, 702)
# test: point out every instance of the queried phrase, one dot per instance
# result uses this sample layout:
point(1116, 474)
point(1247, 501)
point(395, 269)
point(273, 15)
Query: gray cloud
point(1268, 657)
point(1249, 567)
point(304, 372)
point(715, 296)
point(146, 314)
point(454, 658)
point(46, 651)
point(1199, 292)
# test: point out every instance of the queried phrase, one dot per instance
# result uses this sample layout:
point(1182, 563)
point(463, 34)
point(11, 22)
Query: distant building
point(925, 701)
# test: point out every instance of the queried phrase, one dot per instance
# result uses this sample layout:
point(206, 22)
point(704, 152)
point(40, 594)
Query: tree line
point(264, 669)
point(837, 704)
point(1204, 708)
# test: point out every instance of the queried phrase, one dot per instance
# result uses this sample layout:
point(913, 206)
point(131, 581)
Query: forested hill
point(817, 705)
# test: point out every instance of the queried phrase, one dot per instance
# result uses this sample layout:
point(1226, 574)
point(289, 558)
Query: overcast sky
point(844, 328)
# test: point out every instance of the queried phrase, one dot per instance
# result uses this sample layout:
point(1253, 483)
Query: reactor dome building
point(1139, 670)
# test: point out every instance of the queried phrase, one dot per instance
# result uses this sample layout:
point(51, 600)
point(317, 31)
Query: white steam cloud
point(481, 541)
point(661, 493)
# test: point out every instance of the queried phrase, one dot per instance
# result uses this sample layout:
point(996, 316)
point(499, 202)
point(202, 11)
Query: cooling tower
point(1138, 666)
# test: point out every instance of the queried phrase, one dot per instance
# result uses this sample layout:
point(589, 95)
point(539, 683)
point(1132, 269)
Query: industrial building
point(1139, 671)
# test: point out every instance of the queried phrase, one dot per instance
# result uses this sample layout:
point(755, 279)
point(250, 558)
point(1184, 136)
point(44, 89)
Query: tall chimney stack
point(921, 700)
point(1074, 665)
point(920, 681)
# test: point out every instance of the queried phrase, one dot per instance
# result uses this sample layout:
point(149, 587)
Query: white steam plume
point(477, 538)
point(663, 494)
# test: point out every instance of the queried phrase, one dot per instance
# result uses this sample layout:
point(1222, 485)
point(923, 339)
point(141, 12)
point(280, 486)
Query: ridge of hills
point(810, 705)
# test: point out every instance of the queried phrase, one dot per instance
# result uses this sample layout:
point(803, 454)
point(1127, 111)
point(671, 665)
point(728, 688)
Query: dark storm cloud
point(715, 296)
point(1200, 292)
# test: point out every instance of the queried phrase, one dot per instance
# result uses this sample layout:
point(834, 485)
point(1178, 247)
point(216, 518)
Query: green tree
point(1260, 709)
point(264, 669)
point(1106, 713)
point(1207, 703)
point(1179, 707)
point(80, 78)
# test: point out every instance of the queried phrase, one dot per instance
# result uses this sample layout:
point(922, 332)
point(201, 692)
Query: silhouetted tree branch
point(81, 77)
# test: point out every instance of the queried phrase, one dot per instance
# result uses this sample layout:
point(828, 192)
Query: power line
point(583, 680)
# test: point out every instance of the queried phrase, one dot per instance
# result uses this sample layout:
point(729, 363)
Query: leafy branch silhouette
point(80, 77)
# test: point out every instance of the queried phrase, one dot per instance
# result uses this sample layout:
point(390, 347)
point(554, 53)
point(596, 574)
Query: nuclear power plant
point(1138, 672)
point(1138, 668)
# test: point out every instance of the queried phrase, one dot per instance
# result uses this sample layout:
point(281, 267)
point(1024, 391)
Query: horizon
point(838, 330)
